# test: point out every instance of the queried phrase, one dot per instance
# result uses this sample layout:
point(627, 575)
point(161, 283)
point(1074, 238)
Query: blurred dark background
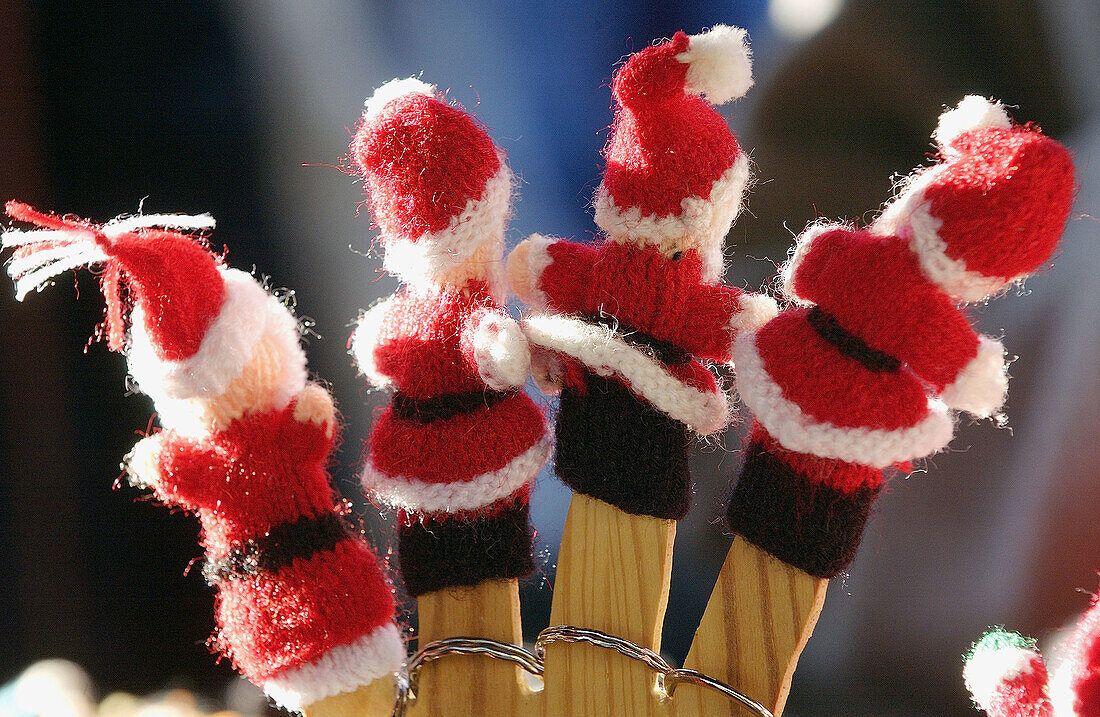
point(242, 109)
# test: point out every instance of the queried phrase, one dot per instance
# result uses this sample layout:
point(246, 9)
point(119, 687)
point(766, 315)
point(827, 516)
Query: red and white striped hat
point(439, 188)
point(992, 211)
point(195, 322)
point(674, 168)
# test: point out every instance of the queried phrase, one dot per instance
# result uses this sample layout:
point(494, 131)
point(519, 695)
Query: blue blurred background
point(243, 109)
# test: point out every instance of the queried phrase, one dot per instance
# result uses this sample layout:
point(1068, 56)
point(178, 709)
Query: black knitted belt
point(664, 351)
point(437, 408)
point(301, 539)
point(849, 344)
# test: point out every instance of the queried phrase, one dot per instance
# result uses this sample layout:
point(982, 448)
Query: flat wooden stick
point(614, 572)
point(472, 684)
point(759, 618)
point(373, 700)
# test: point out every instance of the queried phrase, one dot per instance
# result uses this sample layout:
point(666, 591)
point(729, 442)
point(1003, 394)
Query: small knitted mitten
point(1007, 678)
point(458, 447)
point(629, 321)
point(864, 370)
point(303, 608)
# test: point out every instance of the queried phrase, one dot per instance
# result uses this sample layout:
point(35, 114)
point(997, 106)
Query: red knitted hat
point(438, 186)
point(674, 167)
point(992, 210)
point(194, 321)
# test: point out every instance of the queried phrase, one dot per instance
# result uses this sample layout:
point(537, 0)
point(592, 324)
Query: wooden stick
point(759, 618)
point(373, 700)
point(614, 572)
point(472, 684)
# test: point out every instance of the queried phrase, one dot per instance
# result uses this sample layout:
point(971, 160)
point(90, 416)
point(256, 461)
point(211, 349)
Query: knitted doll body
point(456, 450)
point(304, 609)
point(453, 454)
point(298, 592)
point(631, 320)
point(632, 325)
point(863, 370)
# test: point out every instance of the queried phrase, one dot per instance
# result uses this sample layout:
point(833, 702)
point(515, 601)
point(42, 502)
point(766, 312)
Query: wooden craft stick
point(759, 618)
point(472, 684)
point(373, 700)
point(614, 572)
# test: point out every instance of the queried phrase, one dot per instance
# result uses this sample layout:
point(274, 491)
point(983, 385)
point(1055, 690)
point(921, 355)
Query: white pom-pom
point(393, 90)
point(719, 64)
point(972, 113)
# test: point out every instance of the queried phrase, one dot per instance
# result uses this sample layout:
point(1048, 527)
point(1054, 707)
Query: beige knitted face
point(256, 389)
point(667, 246)
point(485, 263)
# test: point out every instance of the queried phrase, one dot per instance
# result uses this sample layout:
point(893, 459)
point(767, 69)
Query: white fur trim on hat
point(393, 90)
point(981, 387)
point(719, 64)
point(412, 494)
point(987, 670)
point(972, 113)
point(247, 312)
point(419, 262)
point(606, 353)
point(909, 216)
point(796, 431)
point(708, 220)
point(342, 669)
point(501, 352)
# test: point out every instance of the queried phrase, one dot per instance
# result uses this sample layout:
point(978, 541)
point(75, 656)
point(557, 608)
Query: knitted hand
point(456, 450)
point(860, 372)
point(631, 318)
point(303, 607)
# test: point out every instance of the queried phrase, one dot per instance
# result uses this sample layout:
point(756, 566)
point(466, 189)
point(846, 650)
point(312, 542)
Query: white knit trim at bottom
point(342, 669)
point(606, 354)
point(799, 432)
point(413, 494)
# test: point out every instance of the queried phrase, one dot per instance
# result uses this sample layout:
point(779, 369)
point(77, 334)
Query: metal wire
point(407, 680)
point(668, 677)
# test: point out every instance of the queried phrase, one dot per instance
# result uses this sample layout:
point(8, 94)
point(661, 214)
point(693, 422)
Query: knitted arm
point(180, 471)
point(968, 370)
point(551, 273)
point(715, 314)
point(314, 422)
point(496, 347)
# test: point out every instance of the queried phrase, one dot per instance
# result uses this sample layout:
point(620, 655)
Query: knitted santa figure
point(864, 370)
point(303, 608)
point(459, 445)
point(630, 320)
point(1006, 674)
